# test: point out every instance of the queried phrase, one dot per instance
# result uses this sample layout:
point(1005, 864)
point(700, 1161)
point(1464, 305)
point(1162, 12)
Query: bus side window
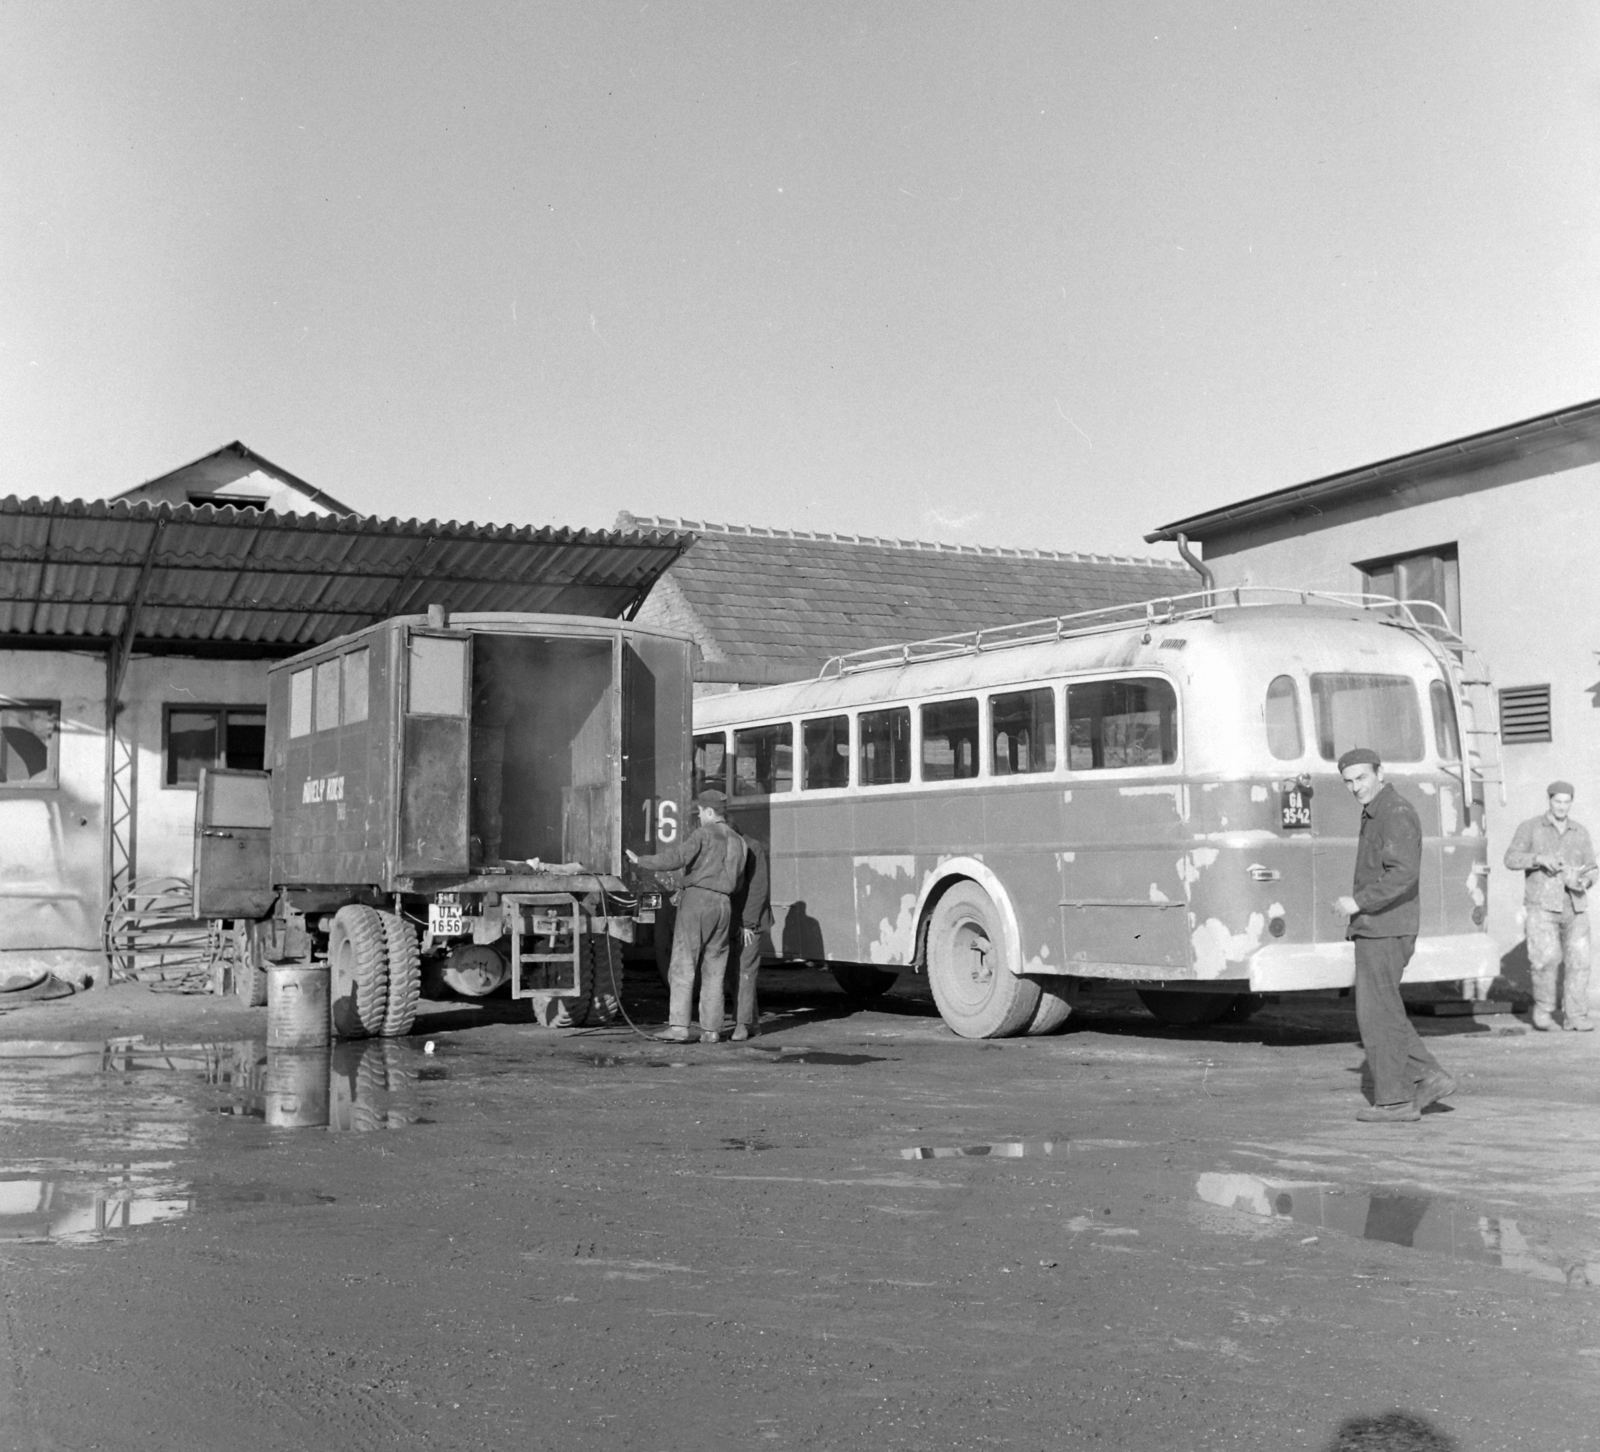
point(885, 746)
point(763, 760)
point(826, 743)
point(950, 740)
point(1446, 734)
point(1285, 740)
point(1024, 726)
point(710, 753)
point(1117, 724)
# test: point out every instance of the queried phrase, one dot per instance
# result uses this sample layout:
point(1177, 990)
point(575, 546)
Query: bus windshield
point(1380, 712)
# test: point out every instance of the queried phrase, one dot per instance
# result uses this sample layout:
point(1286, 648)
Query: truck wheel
point(249, 972)
point(1054, 1009)
point(358, 961)
point(978, 995)
point(1181, 1008)
point(405, 975)
point(596, 1000)
point(861, 982)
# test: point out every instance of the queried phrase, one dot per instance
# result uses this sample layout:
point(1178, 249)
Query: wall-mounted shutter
point(1524, 714)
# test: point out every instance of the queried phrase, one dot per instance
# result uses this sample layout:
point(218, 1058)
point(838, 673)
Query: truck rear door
point(435, 786)
point(232, 837)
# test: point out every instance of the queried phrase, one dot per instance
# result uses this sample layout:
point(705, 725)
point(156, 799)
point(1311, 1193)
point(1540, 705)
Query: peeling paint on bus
point(1258, 793)
point(890, 867)
point(1156, 894)
point(1215, 947)
point(897, 940)
point(1194, 862)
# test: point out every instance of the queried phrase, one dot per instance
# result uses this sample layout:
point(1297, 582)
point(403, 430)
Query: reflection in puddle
point(1014, 1149)
point(1440, 1227)
point(51, 1207)
point(799, 1055)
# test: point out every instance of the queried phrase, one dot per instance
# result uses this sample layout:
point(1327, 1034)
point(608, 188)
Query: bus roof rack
point(1163, 610)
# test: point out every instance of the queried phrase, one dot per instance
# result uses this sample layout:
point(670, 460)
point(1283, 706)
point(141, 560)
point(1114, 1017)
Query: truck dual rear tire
point(405, 975)
point(978, 994)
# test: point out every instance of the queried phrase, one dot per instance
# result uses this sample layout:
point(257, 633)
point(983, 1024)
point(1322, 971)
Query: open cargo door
point(232, 843)
point(435, 787)
point(655, 741)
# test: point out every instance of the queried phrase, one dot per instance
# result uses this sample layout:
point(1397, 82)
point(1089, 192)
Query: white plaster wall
point(51, 839)
point(165, 842)
point(1530, 604)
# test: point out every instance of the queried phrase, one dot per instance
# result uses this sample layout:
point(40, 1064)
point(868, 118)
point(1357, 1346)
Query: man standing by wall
point(1556, 854)
point(1384, 915)
point(711, 859)
point(752, 916)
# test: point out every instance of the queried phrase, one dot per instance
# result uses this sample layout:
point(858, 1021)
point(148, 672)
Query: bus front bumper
point(1285, 967)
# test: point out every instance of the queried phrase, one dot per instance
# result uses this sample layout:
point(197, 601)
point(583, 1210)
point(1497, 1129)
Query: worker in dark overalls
point(712, 859)
point(752, 916)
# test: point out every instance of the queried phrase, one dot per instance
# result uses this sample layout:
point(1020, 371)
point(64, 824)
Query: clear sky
point(1002, 273)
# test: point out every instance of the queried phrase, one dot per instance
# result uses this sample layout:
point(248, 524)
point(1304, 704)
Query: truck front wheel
point(358, 963)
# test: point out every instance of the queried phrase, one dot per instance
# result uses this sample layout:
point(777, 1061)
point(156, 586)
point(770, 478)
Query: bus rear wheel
point(860, 981)
point(1180, 1008)
point(978, 995)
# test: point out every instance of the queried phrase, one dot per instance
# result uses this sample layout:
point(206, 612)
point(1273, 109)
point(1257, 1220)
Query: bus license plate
point(445, 920)
point(1296, 813)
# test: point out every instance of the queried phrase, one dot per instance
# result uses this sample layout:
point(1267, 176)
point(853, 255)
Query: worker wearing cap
point(1384, 914)
point(1558, 859)
point(711, 859)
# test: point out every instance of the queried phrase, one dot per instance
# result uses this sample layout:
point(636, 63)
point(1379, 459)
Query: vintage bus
point(1146, 794)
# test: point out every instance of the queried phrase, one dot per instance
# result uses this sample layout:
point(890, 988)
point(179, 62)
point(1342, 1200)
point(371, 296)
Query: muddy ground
point(583, 1240)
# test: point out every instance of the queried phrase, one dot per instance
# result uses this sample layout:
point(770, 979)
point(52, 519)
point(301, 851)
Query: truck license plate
point(445, 920)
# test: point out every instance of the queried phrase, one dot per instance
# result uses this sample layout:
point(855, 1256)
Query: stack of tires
point(375, 971)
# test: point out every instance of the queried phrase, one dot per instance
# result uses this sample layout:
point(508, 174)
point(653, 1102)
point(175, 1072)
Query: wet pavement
point(852, 1231)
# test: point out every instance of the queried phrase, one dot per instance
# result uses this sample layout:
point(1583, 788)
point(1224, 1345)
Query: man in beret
point(1383, 911)
point(1558, 859)
point(711, 859)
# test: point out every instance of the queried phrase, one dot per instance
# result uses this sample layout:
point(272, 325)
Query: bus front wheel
point(1178, 1008)
point(977, 993)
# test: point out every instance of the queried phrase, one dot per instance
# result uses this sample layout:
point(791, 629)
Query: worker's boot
point(1543, 1019)
point(743, 1031)
point(675, 1033)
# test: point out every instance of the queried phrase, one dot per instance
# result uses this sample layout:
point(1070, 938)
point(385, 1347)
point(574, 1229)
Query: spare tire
point(358, 964)
point(405, 975)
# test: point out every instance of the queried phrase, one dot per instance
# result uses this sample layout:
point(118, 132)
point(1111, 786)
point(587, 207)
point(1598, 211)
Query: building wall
point(165, 842)
point(1529, 598)
point(52, 840)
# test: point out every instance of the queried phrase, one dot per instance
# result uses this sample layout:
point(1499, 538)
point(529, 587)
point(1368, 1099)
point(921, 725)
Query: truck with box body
point(461, 788)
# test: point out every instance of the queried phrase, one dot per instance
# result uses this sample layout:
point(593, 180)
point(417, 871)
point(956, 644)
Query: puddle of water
point(1012, 1149)
point(753, 1145)
point(1430, 1224)
point(801, 1055)
point(54, 1207)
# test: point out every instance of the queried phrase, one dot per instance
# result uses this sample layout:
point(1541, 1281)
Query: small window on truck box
point(357, 665)
point(438, 683)
point(300, 703)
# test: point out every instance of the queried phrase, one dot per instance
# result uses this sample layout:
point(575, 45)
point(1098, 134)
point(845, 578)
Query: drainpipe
point(1195, 563)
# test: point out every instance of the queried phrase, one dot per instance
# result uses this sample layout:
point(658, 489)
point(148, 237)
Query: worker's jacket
point(1388, 867)
point(752, 898)
point(712, 856)
point(1541, 837)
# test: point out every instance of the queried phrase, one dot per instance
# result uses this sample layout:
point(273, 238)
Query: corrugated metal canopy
point(269, 583)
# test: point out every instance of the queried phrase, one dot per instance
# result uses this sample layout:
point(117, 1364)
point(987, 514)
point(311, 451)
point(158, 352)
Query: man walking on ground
point(1384, 914)
point(752, 913)
point(1556, 854)
point(711, 859)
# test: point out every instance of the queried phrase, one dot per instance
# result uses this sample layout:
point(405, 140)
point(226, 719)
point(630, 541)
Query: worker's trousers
point(1395, 1053)
point(748, 1010)
point(699, 944)
point(1554, 938)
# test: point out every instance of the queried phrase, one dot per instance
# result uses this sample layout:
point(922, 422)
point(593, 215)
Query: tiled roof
point(788, 600)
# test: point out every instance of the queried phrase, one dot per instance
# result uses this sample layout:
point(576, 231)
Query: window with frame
point(710, 762)
point(30, 742)
point(1431, 576)
point(1379, 712)
point(825, 753)
point(763, 760)
point(1446, 729)
point(1023, 724)
point(1113, 725)
point(1285, 739)
point(884, 754)
point(950, 740)
point(209, 736)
